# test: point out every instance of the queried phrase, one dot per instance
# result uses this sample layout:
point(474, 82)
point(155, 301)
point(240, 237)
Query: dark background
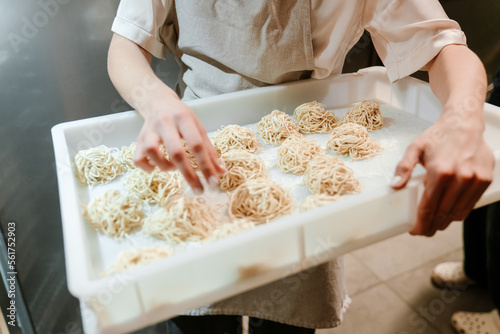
point(59, 74)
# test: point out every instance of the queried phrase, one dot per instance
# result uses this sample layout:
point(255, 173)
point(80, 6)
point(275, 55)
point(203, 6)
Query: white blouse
point(407, 34)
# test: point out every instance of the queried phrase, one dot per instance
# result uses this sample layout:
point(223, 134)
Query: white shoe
point(450, 275)
point(476, 323)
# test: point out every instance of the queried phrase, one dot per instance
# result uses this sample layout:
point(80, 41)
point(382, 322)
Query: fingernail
point(212, 181)
point(198, 191)
point(396, 180)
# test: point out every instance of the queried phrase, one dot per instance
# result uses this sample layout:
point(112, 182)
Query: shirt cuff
point(139, 36)
point(424, 54)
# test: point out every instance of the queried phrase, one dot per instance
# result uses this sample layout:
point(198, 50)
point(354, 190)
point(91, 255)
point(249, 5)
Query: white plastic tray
point(155, 292)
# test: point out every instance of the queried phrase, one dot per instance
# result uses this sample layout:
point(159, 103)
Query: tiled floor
point(389, 283)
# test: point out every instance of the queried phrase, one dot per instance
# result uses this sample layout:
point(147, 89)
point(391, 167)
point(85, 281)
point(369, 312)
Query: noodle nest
point(295, 153)
point(114, 214)
point(137, 257)
point(235, 137)
point(186, 219)
point(329, 175)
point(353, 140)
point(241, 166)
point(260, 200)
point(127, 156)
point(97, 165)
point(155, 187)
point(276, 127)
point(313, 118)
point(365, 113)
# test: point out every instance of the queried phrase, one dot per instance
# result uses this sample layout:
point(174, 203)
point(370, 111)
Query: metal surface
point(52, 70)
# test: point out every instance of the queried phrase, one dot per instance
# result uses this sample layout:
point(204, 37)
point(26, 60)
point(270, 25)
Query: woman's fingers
point(447, 199)
point(198, 146)
point(451, 191)
point(460, 187)
point(168, 127)
point(469, 198)
point(214, 156)
point(405, 167)
point(435, 186)
point(144, 164)
point(459, 167)
point(147, 153)
point(177, 154)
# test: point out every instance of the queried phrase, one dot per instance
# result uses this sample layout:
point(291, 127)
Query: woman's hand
point(458, 161)
point(459, 169)
point(166, 118)
point(167, 124)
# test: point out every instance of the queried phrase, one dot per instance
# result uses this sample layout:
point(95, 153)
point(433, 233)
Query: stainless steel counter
point(52, 70)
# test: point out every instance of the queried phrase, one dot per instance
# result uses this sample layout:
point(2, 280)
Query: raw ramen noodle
point(97, 165)
point(329, 175)
point(365, 113)
point(276, 127)
point(114, 214)
point(313, 118)
point(353, 140)
point(235, 137)
point(155, 187)
point(127, 156)
point(295, 153)
point(186, 219)
point(240, 166)
point(260, 200)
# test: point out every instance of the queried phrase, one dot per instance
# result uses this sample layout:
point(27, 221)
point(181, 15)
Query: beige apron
point(231, 45)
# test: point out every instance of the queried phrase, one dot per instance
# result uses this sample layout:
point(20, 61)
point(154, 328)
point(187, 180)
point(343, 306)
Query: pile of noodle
point(295, 153)
point(276, 127)
point(186, 219)
point(260, 200)
point(155, 187)
point(365, 113)
point(114, 214)
point(329, 175)
point(137, 257)
point(97, 165)
point(235, 137)
point(127, 156)
point(353, 139)
point(240, 166)
point(313, 118)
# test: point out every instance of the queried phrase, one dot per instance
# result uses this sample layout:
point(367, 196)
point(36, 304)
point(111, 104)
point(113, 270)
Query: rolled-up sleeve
point(141, 22)
point(407, 34)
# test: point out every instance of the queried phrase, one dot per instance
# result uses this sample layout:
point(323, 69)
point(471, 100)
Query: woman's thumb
point(406, 166)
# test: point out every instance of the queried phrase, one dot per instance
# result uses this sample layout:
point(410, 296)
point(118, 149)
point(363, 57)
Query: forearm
point(131, 73)
point(458, 79)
